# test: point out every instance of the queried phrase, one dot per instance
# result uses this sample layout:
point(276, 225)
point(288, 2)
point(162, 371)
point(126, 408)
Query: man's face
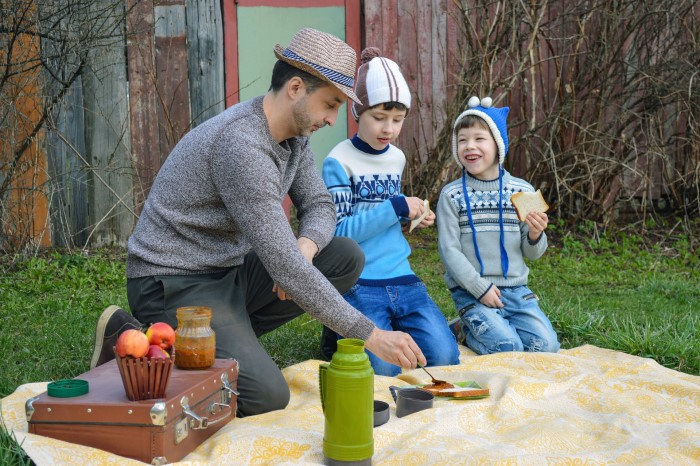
point(312, 111)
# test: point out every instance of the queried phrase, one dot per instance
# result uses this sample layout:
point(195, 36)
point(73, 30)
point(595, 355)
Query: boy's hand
point(428, 221)
point(537, 221)
point(396, 348)
point(492, 298)
point(416, 206)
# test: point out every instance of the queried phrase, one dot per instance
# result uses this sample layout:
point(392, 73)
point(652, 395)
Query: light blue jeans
point(407, 308)
point(519, 326)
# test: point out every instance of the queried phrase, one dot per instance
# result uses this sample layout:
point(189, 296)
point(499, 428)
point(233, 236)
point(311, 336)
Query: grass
point(622, 292)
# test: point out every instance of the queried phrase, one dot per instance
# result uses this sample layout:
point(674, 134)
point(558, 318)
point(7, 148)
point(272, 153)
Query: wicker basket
point(145, 378)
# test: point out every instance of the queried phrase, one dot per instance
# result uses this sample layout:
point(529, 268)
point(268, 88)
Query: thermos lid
point(350, 354)
point(68, 388)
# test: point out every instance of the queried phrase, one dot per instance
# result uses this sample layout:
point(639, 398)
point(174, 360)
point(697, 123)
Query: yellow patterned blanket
point(584, 406)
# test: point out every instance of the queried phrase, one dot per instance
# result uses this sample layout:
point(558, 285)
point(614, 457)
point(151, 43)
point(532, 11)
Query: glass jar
point(195, 341)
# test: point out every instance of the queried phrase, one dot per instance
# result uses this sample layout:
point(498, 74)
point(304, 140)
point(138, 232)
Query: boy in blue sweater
point(484, 245)
point(363, 175)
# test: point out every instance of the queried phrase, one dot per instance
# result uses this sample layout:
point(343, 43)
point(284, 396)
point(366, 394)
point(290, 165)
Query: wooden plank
point(143, 97)
point(390, 28)
point(407, 60)
point(439, 64)
point(205, 59)
point(288, 3)
point(373, 23)
point(353, 31)
point(171, 73)
point(423, 97)
point(107, 139)
point(65, 146)
point(454, 18)
point(231, 83)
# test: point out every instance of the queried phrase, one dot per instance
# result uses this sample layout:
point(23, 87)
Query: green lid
point(68, 388)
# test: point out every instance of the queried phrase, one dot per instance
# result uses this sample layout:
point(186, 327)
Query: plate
point(467, 384)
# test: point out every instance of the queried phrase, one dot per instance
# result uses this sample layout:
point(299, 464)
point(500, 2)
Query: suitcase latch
point(196, 422)
point(228, 390)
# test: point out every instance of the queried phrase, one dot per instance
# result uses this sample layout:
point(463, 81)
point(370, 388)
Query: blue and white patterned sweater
point(455, 242)
point(365, 185)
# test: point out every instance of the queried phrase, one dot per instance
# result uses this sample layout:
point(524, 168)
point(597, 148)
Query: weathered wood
point(353, 29)
point(107, 139)
point(230, 21)
point(143, 97)
point(205, 56)
point(439, 64)
point(65, 147)
point(390, 29)
point(171, 73)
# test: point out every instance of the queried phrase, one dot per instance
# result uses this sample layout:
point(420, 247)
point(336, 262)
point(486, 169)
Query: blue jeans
point(407, 308)
point(519, 326)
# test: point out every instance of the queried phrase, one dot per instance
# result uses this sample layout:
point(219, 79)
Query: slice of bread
point(426, 211)
point(525, 203)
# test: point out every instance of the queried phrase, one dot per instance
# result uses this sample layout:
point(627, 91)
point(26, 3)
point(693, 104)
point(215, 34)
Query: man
point(213, 231)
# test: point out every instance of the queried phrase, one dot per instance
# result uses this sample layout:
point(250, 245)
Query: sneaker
point(113, 321)
point(458, 330)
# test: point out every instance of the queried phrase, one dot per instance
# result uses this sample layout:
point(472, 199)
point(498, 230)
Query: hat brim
point(348, 91)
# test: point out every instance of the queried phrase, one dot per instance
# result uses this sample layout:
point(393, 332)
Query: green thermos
point(347, 398)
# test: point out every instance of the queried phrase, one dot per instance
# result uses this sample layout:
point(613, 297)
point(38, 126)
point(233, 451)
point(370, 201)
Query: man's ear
point(295, 87)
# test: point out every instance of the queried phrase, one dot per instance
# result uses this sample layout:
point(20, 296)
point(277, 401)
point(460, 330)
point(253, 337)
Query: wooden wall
point(422, 37)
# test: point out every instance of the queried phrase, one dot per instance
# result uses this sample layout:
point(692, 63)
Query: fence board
point(65, 147)
point(206, 59)
point(107, 142)
point(143, 97)
point(171, 73)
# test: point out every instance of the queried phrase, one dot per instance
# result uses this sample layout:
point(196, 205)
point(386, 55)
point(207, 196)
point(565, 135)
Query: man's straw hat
point(324, 56)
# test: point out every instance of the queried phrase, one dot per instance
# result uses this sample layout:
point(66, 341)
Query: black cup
point(381, 412)
point(410, 400)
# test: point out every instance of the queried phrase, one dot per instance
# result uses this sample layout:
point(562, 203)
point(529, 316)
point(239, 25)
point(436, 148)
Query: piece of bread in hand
point(525, 203)
point(426, 211)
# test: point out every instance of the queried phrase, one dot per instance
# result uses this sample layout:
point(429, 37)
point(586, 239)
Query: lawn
point(619, 291)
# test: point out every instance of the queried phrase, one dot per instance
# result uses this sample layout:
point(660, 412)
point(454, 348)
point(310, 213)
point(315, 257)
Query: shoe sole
point(100, 333)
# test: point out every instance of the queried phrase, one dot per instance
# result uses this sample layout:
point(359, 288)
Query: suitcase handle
point(197, 422)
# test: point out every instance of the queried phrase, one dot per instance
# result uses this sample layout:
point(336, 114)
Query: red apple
point(161, 334)
point(155, 351)
point(132, 342)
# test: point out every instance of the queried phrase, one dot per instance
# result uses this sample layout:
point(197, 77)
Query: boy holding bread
point(363, 176)
point(483, 243)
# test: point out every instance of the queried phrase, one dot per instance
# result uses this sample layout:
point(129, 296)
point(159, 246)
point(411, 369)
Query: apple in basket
point(132, 343)
point(155, 352)
point(161, 334)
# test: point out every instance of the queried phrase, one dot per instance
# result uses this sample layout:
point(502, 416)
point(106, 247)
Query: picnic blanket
point(583, 406)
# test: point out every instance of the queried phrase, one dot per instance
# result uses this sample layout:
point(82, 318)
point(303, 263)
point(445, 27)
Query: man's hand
point(537, 221)
point(492, 298)
point(308, 249)
point(396, 348)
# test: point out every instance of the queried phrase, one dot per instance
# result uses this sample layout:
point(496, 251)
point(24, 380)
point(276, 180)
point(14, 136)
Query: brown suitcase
point(197, 403)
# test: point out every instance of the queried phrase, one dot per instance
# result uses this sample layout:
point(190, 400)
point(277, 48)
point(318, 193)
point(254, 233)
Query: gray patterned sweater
point(219, 195)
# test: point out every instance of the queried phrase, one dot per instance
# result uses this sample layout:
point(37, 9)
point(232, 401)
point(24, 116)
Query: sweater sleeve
point(312, 201)
point(350, 222)
point(250, 188)
point(450, 248)
point(530, 250)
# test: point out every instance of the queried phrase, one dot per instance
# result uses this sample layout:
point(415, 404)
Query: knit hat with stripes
point(379, 80)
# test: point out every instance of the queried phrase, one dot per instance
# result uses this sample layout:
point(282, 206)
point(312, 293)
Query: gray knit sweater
point(219, 195)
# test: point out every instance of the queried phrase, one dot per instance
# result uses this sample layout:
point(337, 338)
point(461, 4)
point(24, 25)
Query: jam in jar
point(195, 341)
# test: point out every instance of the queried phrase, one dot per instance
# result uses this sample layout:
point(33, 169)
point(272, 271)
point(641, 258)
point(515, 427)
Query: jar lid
point(68, 388)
